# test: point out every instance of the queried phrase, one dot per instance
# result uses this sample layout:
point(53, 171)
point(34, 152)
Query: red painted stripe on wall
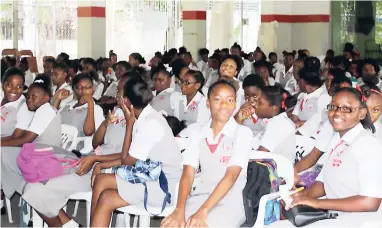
point(323, 18)
point(194, 15)
point(91, 11)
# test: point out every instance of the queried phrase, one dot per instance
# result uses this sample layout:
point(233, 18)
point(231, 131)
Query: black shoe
point(3, 211)
point(30, 223)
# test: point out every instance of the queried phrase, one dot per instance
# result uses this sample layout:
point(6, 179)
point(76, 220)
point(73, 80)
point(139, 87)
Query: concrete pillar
point(294, 24)
point(194, 26)
point(91, 35)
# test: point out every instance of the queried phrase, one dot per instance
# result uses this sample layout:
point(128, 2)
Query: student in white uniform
point(271, 108)
point(292, 84)
point(191, 105)
point(252, 86)
point(136, 59)
point(89, 67)
point(264, 70)
point(162, 94)
point(144, 124)
point(374, 106)
point(45, 126)
point(283, 76)
point(307, 104)
point(221, 147)
point(188, 61)
point(61, 91)
point(244, 69)
point(83, 113)
point(109, 136)
point(228, 70)
point(202, 64)
point(336, 79)
point(370, 73)
point(109, 97)
point(351, 178)
point(15, 116)
point(55, 193)
point(211, 73)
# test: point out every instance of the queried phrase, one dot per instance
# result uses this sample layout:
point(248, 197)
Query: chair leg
point(37, 220)
point(144, 221)
point(135, 222)
point(127, 219)
point(75, 208)
point(9, 209)
point(88, 206)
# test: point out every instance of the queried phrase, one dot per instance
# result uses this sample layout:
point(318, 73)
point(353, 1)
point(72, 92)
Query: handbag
point(142, 172)
point(303, 215)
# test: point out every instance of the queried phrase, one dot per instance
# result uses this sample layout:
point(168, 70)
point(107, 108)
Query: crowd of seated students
point(225, 106)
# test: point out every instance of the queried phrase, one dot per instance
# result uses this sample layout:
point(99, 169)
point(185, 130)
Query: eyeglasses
point(181, 82)
point(343, 109)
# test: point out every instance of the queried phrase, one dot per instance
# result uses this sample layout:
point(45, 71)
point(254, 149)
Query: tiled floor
point(80, 218)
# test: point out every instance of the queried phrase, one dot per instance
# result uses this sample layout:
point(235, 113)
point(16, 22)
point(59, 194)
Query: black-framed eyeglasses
point(343, 109)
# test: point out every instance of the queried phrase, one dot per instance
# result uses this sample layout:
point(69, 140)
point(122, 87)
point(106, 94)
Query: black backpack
point(258, 185)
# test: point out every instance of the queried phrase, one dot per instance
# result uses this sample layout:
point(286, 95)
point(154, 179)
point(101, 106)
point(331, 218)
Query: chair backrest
point(7, 52)
point(284, 166)
point(26, 53)
point(69, 136)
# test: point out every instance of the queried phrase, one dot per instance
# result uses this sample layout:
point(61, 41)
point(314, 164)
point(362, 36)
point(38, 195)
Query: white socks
point(71, 224)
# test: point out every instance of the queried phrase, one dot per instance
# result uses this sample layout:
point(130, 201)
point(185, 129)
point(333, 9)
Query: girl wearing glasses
point(346, 179)
point(83, 113)
point(252, 86)
point(221, 147)
point(162, 81)
point(374, 105)
point(190, 105)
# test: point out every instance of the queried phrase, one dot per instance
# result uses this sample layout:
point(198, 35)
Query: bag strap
point(164, 186)
point(72, 162)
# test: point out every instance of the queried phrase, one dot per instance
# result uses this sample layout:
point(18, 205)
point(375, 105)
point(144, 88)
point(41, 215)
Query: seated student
point(202, 64)
point(83, 113)
point(252, 85)
point(229, 69)
point(292, 84)
point(15, 116)
point(264, 69)
point(29, 76)
point(61, 91)
point(89, 67)
point(370, 70)
point(54, 194)
point(346, 179)
point(45, 127)
point(48, 66)
point(110, 134)
point(109, 97)
point(283, 76)
point(162, 94)
point(144, 124)
point(190, 105)
point(271, 107)
point(221, 147)
point(335, 79)
point(374, 106)
point(308, 101)
point(211, 72)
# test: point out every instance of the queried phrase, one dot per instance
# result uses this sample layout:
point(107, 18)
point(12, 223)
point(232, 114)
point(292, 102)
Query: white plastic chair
point(284, 170)
point(69, 136)
point(87, 141)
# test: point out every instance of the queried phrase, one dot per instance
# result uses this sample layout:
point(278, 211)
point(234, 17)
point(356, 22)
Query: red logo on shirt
point(225, 159)
point(4, 116)
point(193, 106)
point(161, 98)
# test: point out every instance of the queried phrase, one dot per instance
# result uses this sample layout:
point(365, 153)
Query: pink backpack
point(41, 164)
